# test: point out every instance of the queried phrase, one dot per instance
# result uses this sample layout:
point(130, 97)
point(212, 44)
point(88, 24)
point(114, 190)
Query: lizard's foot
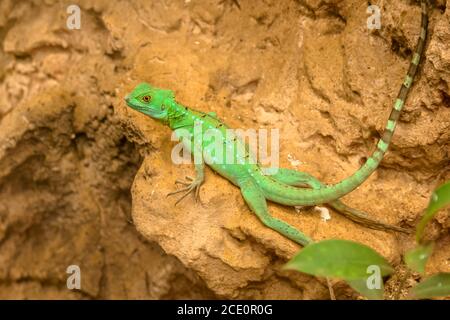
point(192, 185)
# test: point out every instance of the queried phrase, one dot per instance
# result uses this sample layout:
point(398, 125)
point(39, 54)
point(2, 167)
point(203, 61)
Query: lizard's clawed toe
point(192, 186)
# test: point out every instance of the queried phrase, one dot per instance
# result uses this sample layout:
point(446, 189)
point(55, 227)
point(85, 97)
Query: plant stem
point(330, 289)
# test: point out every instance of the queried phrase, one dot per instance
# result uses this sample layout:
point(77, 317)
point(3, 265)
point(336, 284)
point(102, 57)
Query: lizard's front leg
point(192, 142)
point(255, 199)
point(192, 185)
point(303, 179)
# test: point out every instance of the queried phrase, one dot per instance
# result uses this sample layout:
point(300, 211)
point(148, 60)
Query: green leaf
point(339, 259)
point(437, 285)
point(417, 258)
point(439, 199)
point(369, 290)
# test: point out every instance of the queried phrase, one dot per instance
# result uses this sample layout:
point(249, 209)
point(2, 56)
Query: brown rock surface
point(71, 151)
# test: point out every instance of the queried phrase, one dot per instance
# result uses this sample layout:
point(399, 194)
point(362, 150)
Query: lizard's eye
point(146, 98)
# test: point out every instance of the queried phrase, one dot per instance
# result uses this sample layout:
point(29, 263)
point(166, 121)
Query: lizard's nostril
point(127, 98)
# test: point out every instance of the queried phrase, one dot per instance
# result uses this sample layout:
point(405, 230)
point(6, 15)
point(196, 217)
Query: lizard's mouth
point(131, 104)
point(145, 110)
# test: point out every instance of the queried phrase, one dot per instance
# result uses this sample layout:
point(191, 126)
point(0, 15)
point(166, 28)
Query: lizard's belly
point(231, 172)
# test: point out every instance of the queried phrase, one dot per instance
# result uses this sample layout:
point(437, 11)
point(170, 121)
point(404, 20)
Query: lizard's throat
point(177, 116)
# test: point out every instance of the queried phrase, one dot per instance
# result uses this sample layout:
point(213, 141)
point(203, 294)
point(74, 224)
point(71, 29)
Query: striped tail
point(340, 189)
point(383, 144)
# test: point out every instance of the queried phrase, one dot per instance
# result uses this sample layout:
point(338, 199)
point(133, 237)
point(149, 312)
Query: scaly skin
point(287, 187)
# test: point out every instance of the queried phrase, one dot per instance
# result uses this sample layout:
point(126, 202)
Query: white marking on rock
point(324, 213)
point(298, 209)
point(294, 162)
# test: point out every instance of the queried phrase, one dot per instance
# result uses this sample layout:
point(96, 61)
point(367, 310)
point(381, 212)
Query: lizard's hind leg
point(255, 199)
point(303, 179)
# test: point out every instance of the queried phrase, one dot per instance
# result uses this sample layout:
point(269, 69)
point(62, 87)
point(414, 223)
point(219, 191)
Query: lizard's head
point(151, 101)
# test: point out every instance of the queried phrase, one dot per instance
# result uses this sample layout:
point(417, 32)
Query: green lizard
point(287, 187)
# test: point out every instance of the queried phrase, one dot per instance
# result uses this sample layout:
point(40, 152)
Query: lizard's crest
point(151, 101)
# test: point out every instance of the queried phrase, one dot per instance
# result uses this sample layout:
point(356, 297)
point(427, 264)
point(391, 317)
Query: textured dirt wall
point(83, 178)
